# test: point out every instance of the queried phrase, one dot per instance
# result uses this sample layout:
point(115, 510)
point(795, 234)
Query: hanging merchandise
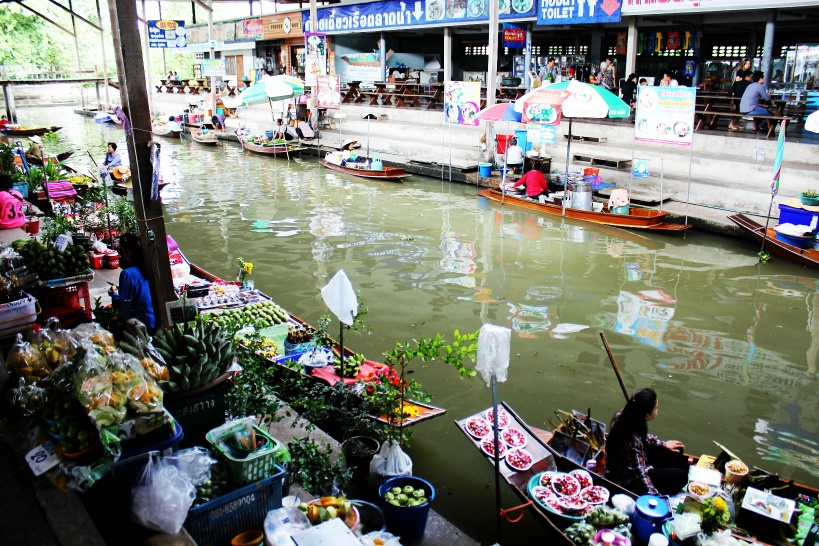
point(650, 42)
point(689, 67)
point(641, 43)
point(155, 167)
point(673, 42)
point(620, 48)
point(687, 45)
point(123, 119)
point(697, 39)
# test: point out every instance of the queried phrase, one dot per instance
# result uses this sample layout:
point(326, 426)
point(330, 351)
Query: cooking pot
point(650, 513)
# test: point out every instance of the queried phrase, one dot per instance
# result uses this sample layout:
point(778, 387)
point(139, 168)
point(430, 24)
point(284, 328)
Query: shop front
point(281, 47)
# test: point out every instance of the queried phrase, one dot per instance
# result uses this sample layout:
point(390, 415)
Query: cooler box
point(795, 216)
point(17, 313)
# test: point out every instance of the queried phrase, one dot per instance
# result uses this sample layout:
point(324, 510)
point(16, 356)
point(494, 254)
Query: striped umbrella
point(777, 173)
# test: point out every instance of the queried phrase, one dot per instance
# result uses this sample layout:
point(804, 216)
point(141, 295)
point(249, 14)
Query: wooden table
point(162, 83)
point(201, 85)
point(230, 90)
point(353, 93)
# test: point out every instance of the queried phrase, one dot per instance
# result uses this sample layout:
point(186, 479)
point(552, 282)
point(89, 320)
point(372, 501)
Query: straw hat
point(348, 141)
point(36, 140)
point(119, 173)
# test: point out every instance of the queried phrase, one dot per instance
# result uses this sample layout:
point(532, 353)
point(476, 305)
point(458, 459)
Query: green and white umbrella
point(275, 88)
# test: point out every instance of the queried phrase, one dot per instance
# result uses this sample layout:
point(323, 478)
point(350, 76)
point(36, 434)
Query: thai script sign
point(167, 34)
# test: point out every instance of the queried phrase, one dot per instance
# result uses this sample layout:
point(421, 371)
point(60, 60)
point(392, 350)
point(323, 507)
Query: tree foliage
point(26, 40)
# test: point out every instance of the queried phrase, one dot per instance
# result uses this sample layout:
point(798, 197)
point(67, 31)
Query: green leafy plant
point(35, 179)
point(811, 194)
point(123, 215)
point(312, 465)
point(7, 165)
point(53, 227)
point(253, 392)
point(714, 514)
point(764, 257)
point(51, 136)
point(54, 171)
point(105, 315)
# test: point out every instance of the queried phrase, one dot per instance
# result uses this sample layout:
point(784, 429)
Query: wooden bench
point(401, 100)
point(716, 115)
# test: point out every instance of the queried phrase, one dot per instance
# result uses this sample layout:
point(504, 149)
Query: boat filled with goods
point(25, 130)
point(277, 147)
point(363, 167)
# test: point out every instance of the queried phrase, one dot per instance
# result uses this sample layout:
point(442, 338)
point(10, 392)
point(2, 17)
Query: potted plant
point(358, 452)
point(809, 198)
point(313, 467)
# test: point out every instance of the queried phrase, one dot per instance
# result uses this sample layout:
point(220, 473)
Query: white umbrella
point(812, 123)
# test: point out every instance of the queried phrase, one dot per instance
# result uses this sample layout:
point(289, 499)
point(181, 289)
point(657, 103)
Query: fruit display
point(261, 314)
point(26, 360)
point(213, 488)
point(196, 354)
point(406, 496)
point(149, 358)
point(80, 180)
point(51, 263)
point(352, 365)
point(562, 493)
point(519, 459)
point(327, 508)
point(71, 426)
point(606, 518)
point(582, 534)
point(297, 336)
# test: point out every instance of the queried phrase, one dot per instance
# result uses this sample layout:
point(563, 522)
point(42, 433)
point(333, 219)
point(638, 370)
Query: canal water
point(725, 342)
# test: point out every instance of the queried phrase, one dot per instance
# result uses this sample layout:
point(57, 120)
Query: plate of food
point(476, 8)
point(543, 494)
point(546, 479)
point(565, 485)
point(478, 427)
point(513, 437)
point(503, 418)
point(549, 500)
point(681, 129)
point(519, 459)
point(700, 490)
point(583, 477)
point(595, 494)
point(488, 447)
point(435, 10)
point(522, 6)
point(573, 505)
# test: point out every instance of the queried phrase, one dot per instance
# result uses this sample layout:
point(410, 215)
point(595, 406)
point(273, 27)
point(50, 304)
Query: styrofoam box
point(18, 313)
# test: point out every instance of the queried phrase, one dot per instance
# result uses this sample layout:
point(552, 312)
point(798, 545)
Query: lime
point(83, 436)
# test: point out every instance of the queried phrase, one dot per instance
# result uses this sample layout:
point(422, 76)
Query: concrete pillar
point(77, 51)
point(767, 48)
point(596, 54)
point(104, 61)
point(631, 48)
point(492, 53)
point(211, 56)
point(527, 57)
point(8, 96)
point(447, 54)
point(382, 46)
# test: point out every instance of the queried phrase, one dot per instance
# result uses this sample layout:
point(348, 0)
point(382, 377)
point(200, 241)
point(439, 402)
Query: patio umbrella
point(500, 112)
point(571, 99)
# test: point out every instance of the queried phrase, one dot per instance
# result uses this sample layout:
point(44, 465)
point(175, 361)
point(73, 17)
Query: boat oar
point(614, 365)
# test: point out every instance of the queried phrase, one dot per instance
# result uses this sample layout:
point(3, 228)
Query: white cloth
point(174, 126)
point(514, 155)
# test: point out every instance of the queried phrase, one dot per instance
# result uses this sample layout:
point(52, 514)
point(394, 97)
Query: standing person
point(639, 461)
point(548, 72)
point(629, 90)
point(744, 65)
point(12, 205)
point(608, 74)
point(133, 296)
point(736, 92)
point(754, 93)
point(514, 155)
point(292, 117)
point(535, 184)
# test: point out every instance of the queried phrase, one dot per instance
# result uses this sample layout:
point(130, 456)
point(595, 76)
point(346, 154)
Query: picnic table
point(353, 93)
point(200, 84)
point(712, 108)
point(403, 94)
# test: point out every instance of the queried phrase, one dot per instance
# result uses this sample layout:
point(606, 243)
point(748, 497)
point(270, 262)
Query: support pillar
point(631, 48)
point(527, 57)
point(447, 54)
point(131, 69)
point(382, 56)
point(596, 55)
point(314, 28)
point(8, 96)
point(767, 48)
point(77, 51)
point(492, 53)
point(211, 57)
point(104, 60)
point(164, 59)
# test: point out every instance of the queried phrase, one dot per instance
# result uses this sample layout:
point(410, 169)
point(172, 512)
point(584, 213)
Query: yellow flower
point(720, 505)
point(247, 268)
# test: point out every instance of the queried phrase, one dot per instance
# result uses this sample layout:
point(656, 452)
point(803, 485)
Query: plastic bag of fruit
point(26, 360)
point(56, 345)
point(94, 384)
point(97, 335)
point(128, 377)
point(28, 400)
point(163, 497)
point(149, 358)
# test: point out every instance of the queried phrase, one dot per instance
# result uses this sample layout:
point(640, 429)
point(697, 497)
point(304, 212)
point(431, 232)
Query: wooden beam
point(40, 15)
point(72, 12)
point(203, 5)
point(134, 93)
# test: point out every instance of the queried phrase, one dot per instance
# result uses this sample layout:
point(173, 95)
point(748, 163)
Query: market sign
point(329, 92)
point(250, 29)
point(359, 67)
point(514, 35)
point(651, 7)
point(315, 58)
point(282, 26)
point(539, 134)
point(167, 34)
point(389, 14)
point(578, 12)
point(213, 67)
point(665, 115)
point(462, 102)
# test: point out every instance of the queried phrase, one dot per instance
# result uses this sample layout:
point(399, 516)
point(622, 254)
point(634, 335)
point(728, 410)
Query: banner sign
point(401, 14)
point(360, 67)
point(250, 29)
point(213, 67)
point(665, 115)
point(462, 102)
point(329, 92)
point(167, 34)
point(578, 12)
point(539, 134)
point(667, 7)
point(315, 58)
point(514, 36)
point(544, 107)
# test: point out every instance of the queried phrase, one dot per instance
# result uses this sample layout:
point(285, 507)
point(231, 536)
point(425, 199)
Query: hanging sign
point(167, 34)
point(541, 134)
point(461, 102)
point(213, 67)
point(665, 115)
point(514, 36)
point(315, 58)
point(250, 29)
point(666, 7)
point(578, 12)
point(329, 92)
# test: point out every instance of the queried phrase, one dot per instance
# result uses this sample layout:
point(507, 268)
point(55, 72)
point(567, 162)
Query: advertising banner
point(514, 35)
point(315, 58)
point(361, 67)
point(402, 14)
point(329, 92)
point(167, 34)
point(213, 67)
point(462, 102)
point(250, 29)
point(653, 7)
point(578, 12)
point(665, 115)
point(539, 134)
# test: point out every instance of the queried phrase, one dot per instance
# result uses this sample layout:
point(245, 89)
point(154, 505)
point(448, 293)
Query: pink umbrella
point(499, 112)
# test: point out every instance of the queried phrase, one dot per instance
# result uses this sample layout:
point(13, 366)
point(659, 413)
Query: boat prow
point(210, 138)
point(392, 174)
point(640, 219)
point(804, 256)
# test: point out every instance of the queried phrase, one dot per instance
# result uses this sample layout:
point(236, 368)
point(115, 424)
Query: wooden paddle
point(614, 365)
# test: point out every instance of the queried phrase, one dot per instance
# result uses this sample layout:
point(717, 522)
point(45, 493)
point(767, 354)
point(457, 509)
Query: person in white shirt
point(173, 125)
point(514, 155)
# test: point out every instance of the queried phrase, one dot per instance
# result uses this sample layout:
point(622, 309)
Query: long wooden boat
point(163, 131)
point(36, 131)
point(279, 150)
point(642, 219)
point(31, 160)
point(386, 173)
point(210, 138)
point(804, 256)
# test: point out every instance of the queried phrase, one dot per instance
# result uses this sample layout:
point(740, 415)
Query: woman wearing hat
point(347, 153)
point(35, 149)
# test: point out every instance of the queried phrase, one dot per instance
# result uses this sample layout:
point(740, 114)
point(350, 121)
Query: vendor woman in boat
point(347, 153)
point(218, 122)
point(35, 150)
point(639, 461)
point(535, 184)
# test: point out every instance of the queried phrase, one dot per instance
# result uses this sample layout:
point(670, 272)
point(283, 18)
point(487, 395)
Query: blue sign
point(167, 34)
point(578, 12)
point(389, 14)
point(514, 36)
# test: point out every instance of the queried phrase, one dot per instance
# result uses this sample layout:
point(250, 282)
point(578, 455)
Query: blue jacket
point(134, 297)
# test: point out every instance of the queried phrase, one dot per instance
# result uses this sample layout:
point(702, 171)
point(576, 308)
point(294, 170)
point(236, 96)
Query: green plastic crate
point(252, 468)
point(201, 412)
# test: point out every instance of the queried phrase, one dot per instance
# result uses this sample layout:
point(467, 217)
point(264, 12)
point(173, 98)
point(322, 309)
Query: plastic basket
point(70, 304)
point(132, 461)
point(216, 522)
point(200, 411)
point(22, 189)
point(252, 468)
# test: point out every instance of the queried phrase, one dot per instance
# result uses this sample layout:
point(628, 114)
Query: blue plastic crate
point(22, 188)
point(795, 216)
point(216, 522)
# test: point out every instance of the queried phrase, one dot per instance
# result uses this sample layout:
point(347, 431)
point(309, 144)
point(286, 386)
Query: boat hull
point(36, 161)
point(167, 134)
point(276, 151)
point(804, 256)
point(38, 131)
point(211, 140)
point(642, 219)
point(387, 173)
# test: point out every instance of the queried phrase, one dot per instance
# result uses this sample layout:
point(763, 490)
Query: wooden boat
point(31, 160)
point(279, 150)
point(210, 138)
point(36, 131)
point(163, 131)
point(642, 219)
point(386, 173)
point(804, 256)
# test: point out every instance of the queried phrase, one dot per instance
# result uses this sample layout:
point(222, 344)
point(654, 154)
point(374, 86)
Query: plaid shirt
point(628, 465)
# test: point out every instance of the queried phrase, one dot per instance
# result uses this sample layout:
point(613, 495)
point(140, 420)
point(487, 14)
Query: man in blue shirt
point(751, 97)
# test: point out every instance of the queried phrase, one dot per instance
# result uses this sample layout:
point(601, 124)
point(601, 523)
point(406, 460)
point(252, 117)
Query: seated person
point(514, 155)
point(347, 153)
point(535, 184)
point(133, 296)
point(753, 95)
point(304, 131)
point(173, 125)
point(12, 205)
point(218, 122)
point(34, 149)
point(4, 122)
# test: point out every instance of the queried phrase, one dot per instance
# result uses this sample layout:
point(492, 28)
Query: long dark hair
point(632, 420)
point(129, 244)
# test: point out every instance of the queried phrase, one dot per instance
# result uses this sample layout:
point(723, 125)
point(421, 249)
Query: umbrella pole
point(767, 220)
point(368, 137)
point(568, 152)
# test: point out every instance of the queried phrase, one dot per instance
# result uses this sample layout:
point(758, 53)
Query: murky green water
point(723, 341)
